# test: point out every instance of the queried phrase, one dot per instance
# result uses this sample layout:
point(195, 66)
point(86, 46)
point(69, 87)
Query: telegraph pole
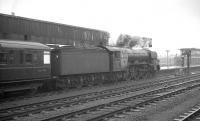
point(188, 61)
point(167, 58)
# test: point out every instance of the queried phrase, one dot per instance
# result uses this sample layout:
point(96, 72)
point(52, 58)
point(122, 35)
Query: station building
point(26, 29)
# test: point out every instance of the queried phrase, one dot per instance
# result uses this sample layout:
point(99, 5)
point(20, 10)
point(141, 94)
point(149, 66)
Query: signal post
point(186, 52)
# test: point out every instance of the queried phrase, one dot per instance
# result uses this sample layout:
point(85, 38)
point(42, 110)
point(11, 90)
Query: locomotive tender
point(71, 66)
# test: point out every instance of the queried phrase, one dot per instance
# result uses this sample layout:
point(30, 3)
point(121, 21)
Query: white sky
point(172, 24)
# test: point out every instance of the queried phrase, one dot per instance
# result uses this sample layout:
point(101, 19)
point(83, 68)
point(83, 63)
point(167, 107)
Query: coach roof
point(23, 45)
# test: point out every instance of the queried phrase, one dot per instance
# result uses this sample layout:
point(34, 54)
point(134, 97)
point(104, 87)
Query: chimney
point(13, 13)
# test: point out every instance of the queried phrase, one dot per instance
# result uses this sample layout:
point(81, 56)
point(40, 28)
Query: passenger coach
point(23, 63)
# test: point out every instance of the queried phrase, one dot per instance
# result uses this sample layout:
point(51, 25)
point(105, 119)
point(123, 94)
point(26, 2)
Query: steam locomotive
point(31, 65)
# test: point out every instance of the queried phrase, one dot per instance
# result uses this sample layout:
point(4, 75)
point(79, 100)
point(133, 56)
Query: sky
point(172, 24)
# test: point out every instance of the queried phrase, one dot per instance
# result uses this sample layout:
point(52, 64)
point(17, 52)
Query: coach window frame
point(117, 54)
point(35, 58)
point(5, 60)
point(11, 57)
point(28, 58)
point(21, 56)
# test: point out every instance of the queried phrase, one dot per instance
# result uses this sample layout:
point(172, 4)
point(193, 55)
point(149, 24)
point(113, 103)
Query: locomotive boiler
point(142, 63)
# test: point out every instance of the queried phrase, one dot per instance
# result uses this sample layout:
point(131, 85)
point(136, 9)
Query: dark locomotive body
point(86, 66)
point(78, 66)
point(74, 67)
point(23, 63)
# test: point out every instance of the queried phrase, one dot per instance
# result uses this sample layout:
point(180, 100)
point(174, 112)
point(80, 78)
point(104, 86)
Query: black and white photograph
point(99, 60)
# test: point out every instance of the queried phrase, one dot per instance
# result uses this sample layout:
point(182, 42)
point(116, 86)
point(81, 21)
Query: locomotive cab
point(118, 57)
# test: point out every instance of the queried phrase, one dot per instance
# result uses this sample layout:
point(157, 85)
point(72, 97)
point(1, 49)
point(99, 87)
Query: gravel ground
point(166, 110)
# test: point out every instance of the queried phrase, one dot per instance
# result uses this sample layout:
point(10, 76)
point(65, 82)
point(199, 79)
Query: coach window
point(5, 35)
point(117, 54)
point(11, 57)
point(35, 58)
point(28, 58)
point(21, 57)
point(3, 58)
point(25, 37)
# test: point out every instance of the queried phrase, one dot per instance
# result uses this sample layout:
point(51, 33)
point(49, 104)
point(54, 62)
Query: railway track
point(16, 97)
point(192, 115)
point(36, 107)
point(23, 95)
point(24, 110)
point(121, 107)
point(31, 93)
